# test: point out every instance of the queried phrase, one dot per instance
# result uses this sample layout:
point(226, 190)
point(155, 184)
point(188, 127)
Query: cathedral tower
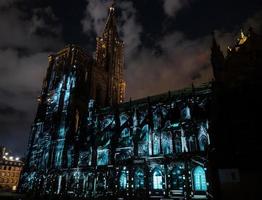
point(109, 87)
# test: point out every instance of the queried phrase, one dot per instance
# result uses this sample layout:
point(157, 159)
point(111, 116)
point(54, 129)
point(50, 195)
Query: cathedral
point(87, 143)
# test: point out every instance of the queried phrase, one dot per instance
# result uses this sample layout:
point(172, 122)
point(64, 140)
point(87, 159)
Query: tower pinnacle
point(109, 59)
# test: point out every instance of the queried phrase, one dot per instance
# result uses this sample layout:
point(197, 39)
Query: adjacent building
point(10, 169)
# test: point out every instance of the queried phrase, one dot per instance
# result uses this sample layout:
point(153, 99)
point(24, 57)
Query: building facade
point(86, 143)
point(10, 169)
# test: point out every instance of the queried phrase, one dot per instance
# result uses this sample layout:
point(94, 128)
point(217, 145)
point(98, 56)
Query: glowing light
point(123, 180)
point(157, 180)
point(199, 178)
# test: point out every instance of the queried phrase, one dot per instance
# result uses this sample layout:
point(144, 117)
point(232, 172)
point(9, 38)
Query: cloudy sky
point(167, 46)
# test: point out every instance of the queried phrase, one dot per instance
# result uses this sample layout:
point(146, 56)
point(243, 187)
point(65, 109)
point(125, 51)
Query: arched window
point(123, 179)
point(139, 179)
point(199, 179)
point(157, 179)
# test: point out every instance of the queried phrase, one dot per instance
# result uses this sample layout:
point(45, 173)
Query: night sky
point(167, 46)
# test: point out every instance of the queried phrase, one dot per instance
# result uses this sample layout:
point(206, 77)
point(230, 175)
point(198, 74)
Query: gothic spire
point(111, 24)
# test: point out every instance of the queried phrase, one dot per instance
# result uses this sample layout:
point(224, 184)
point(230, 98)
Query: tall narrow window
point(157, 179)
point(139, 179)
point(199, 178)
point(123, 179)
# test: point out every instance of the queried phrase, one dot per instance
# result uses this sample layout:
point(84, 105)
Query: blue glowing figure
point(123, 179)
point(139, 181)
point(199, 179)
point(157, 179)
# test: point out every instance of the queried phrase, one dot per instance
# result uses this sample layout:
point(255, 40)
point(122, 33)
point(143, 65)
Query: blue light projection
point(123, 118)
point(183, 141)
point(102, 157)
point(166, 140)
point(139, 181)
point(157, 179)
point(70, 84)
point(203, 136)
point(177, 177)
point(199, 179)
point(69, 156)
point(54, 97)
point(185, 113)
point(59, 152)
point(146, 138)
point(156, 143)
point(125, 139)
point(143, 146)
point(123, 179)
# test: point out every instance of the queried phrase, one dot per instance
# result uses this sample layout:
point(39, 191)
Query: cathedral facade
point(86, 143)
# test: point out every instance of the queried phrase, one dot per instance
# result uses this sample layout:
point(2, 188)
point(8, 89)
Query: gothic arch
point(199, 179)
point(157, 179)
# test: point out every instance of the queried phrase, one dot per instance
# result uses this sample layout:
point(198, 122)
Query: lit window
point(199, 177)
point(123, 180)
point(157, 180)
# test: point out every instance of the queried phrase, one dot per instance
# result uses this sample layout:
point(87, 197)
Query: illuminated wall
point(150, 147)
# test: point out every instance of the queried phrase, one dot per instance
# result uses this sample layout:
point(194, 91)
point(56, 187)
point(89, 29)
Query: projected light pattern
point(141, 149)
